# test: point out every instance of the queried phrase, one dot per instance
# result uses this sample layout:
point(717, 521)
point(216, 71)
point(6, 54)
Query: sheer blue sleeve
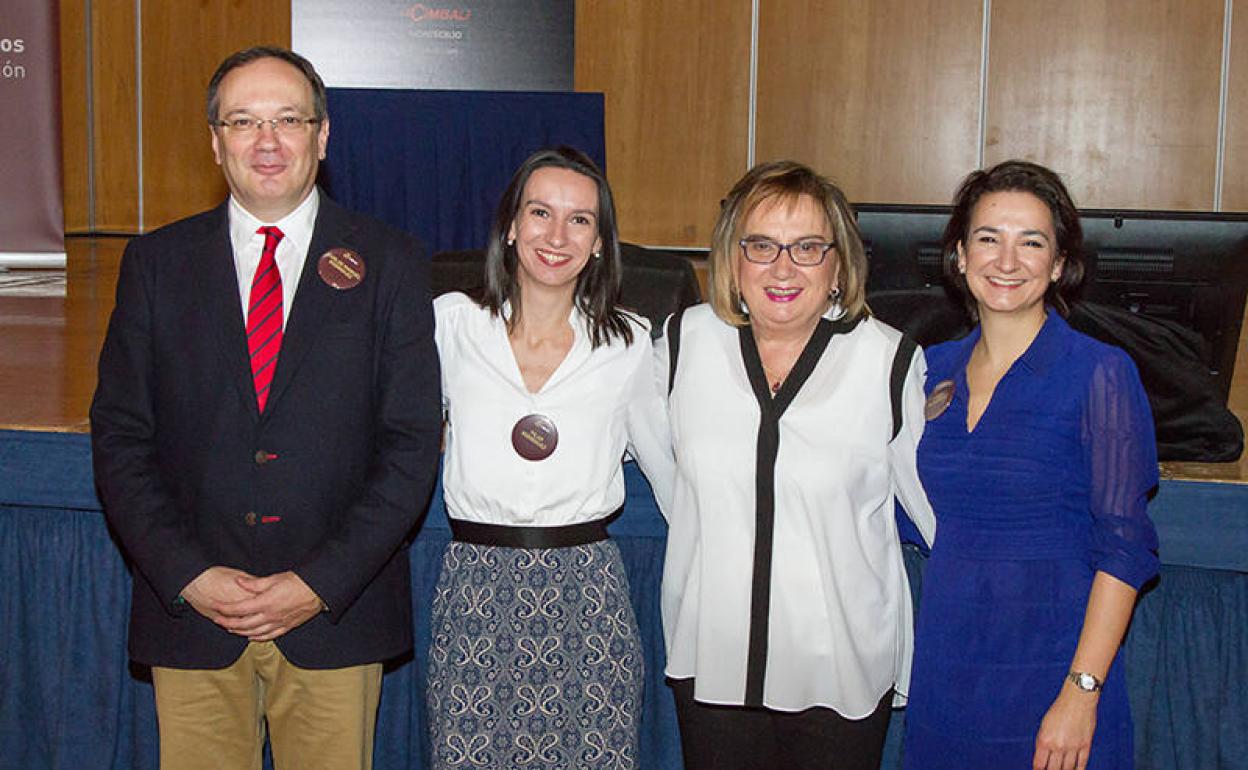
point(1121, 451)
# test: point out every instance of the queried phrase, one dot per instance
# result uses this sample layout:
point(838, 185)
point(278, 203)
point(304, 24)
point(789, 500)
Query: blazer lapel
point(313, 298)
point(213, 263)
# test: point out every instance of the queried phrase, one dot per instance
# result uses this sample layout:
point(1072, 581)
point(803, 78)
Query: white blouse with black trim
point(784, 584)
point(602, 400)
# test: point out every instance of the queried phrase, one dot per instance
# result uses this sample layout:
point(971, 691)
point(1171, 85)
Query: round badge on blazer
point(938, 400)
point(341, 268)
point(534, 437)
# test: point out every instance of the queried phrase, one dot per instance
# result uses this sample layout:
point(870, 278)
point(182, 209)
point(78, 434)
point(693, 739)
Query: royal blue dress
point(1050, 488)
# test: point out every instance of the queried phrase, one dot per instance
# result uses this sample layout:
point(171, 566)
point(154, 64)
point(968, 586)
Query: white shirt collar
point(297, 226)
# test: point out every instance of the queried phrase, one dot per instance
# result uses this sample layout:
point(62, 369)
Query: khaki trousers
point(215, 719)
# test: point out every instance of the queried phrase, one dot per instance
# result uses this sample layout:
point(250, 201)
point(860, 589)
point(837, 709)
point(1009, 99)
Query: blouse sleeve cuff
point(1134, 571)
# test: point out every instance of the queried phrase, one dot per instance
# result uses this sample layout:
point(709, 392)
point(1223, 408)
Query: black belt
point(532, 537)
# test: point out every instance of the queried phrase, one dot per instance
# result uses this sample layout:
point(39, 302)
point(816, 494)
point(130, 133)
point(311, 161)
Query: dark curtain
point(435, 163)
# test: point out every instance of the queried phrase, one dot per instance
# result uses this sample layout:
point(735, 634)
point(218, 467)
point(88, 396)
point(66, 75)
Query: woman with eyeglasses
point(1039, 456)
point(795, 417)
point(535, 658)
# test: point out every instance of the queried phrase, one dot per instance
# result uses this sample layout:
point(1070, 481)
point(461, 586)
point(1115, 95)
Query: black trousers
point(732, 737)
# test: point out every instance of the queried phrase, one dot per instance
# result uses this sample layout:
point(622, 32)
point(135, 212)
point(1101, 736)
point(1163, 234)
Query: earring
point(511, 241)
point(835, 294)
point(597, 254)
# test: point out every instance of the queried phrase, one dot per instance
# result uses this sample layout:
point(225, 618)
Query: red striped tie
point(264, 316)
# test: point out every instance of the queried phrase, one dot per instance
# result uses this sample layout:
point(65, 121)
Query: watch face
point(1086, 682)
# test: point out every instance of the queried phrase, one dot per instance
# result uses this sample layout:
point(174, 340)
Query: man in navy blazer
point(265, 434)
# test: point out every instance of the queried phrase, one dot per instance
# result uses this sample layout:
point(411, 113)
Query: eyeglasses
point(287, 124)
point(807, 252)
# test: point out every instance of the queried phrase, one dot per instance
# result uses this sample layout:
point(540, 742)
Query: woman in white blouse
point(794, 416)
point(535, 657)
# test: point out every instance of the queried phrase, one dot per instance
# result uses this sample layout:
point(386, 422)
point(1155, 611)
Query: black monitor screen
point(1188, 268)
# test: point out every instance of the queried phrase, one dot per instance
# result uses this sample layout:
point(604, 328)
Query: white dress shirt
point(292, 250)
point(837, 625)
point(602, 401)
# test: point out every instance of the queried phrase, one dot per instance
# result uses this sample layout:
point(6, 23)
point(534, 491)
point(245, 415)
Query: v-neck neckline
point(518, 374)
point(776, 403)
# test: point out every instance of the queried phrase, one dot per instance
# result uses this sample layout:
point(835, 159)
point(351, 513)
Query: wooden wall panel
point(676, 79)
point(75, 130)
point(1235, 166)
point(183, 43)
point(1119, 96)
point(115, 120)
point(882, 96)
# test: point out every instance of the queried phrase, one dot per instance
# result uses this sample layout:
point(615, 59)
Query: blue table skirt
point(69, 698)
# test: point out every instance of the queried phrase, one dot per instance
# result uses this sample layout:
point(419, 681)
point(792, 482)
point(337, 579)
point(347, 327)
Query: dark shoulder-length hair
point(597, 293)
point(1045, 184)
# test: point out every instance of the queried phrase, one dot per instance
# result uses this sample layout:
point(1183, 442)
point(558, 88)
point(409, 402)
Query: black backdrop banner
point(32, 223)
point(491, 45)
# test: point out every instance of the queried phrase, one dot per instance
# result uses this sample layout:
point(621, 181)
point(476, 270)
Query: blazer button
point(250, 518)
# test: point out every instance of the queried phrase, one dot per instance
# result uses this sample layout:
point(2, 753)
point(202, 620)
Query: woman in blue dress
point(1038, 459)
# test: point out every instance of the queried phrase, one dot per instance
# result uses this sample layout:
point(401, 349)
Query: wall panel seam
point(751, 126)
point(1228, 19)
point(138, 101)
point(89, 47)
point(985, 32)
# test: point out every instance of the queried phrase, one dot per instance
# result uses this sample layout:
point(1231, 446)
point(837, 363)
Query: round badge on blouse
point(938, 400)
point(534, 437)
point(341, 268)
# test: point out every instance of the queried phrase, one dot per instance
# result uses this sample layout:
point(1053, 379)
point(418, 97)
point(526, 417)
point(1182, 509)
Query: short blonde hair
point(786, 180)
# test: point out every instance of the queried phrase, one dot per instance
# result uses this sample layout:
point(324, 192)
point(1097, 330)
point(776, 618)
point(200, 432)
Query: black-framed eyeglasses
point(808, 252)
point(286, 124)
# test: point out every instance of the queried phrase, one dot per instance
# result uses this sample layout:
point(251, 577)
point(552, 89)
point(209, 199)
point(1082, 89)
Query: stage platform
point(52, 323)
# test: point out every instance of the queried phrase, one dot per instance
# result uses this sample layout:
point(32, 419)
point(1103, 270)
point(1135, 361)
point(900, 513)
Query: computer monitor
point(1185, 267)
point(903, 245)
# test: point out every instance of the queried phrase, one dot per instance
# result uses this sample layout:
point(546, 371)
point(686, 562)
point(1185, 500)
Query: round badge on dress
point(938, 400)
point(341, 268)
point(534, 437)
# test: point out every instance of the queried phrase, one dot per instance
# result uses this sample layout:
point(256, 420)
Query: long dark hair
point(597, 293)
point(1045, 184)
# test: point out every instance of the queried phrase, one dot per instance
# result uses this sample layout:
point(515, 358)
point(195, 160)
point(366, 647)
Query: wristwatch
point(1085, 681)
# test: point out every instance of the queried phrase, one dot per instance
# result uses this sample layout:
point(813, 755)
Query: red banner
point(32, 218)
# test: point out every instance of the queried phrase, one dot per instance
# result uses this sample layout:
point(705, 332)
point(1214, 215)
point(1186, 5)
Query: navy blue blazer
point(328, 482)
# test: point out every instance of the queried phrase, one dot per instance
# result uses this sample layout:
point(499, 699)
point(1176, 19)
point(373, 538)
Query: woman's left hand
point(1065, 735)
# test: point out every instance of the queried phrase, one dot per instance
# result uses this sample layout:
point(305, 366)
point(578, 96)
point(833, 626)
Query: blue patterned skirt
point(535, 659)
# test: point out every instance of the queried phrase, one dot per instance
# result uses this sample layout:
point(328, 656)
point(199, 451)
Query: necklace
point(775, 382)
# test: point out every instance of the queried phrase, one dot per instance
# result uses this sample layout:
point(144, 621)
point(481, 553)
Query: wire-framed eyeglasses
point(245, 124)
point(808, 252)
